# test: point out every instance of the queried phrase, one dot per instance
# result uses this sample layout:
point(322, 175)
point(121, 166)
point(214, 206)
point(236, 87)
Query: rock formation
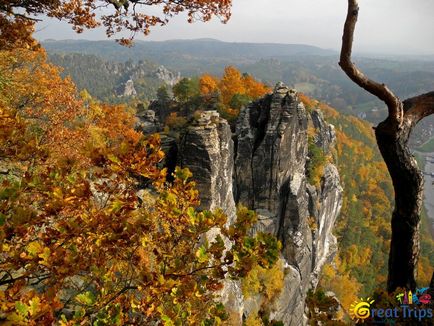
point(263, 166)
point(168, 77)
point(147, 122)
point(207, 150)
point(129, 89)
point(325, 133)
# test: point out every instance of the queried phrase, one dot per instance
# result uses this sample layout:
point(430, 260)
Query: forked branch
point(379, 90)
point(419, 107)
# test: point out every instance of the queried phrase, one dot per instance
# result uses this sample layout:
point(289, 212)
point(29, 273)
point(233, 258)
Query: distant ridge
point(235, 52)
point(204, 39)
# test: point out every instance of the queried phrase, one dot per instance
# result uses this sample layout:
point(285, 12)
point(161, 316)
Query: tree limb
point(18, 15)
point(419, 107)
point(379, 90)
point(7, 278)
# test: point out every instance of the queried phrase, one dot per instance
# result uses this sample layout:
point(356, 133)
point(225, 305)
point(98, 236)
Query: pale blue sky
point(385, 26)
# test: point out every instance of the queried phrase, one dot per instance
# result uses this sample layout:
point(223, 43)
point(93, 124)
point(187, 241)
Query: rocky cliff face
point(263, 166)
point(207, 150)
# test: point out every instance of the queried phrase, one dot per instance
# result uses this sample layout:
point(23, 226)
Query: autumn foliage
point(79, 243)
point(227, 94)
point(17, 17)
point(234, 89)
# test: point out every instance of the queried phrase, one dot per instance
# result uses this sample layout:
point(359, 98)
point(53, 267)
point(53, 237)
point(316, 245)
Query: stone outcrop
point(168, 77)
point(147, 122)
point(270, 177)
point(325, 133)
point(270, 169)
point(328, 201)
point(263, 166)
point(207, 150)
point(129, 89)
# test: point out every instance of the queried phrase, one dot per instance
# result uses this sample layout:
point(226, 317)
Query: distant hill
point(193, 49)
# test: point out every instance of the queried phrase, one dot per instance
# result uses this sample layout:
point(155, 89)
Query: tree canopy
point(17, 17)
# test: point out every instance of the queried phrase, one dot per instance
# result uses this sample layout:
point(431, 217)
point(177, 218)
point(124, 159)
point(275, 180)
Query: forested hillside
point(311, 70)
point(363, 227)
point(112, 81)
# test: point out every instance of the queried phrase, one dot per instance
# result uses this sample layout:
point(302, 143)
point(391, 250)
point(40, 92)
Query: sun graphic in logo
point(359, 310)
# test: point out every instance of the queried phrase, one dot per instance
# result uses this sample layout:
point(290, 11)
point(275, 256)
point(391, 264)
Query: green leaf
point(87, 298)
point(167, 321)
point(116, 206)
point(201, 254)
point(21, 308)
point(9, 193)
point(183, 174)
point(79, 313)
point(117, 318)
point(113, 158)
point(192, 215)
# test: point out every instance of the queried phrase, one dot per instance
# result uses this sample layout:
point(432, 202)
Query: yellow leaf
point(34, 248)
point(70, 198)
point(34, 307)
point(57, 193)
point(113, 158)
point(45, 255)
point(150, 310)
point(197, 294)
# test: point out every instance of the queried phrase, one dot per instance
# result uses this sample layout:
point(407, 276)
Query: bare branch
point(7, 278)
point(379, 90)
point(18, 15)
point(419, 107)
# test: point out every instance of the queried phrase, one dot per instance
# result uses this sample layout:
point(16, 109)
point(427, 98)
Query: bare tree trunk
point(408, 184)
point(392, 139)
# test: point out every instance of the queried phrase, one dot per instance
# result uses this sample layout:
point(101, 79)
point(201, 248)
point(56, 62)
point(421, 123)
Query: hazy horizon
point(319, 23)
